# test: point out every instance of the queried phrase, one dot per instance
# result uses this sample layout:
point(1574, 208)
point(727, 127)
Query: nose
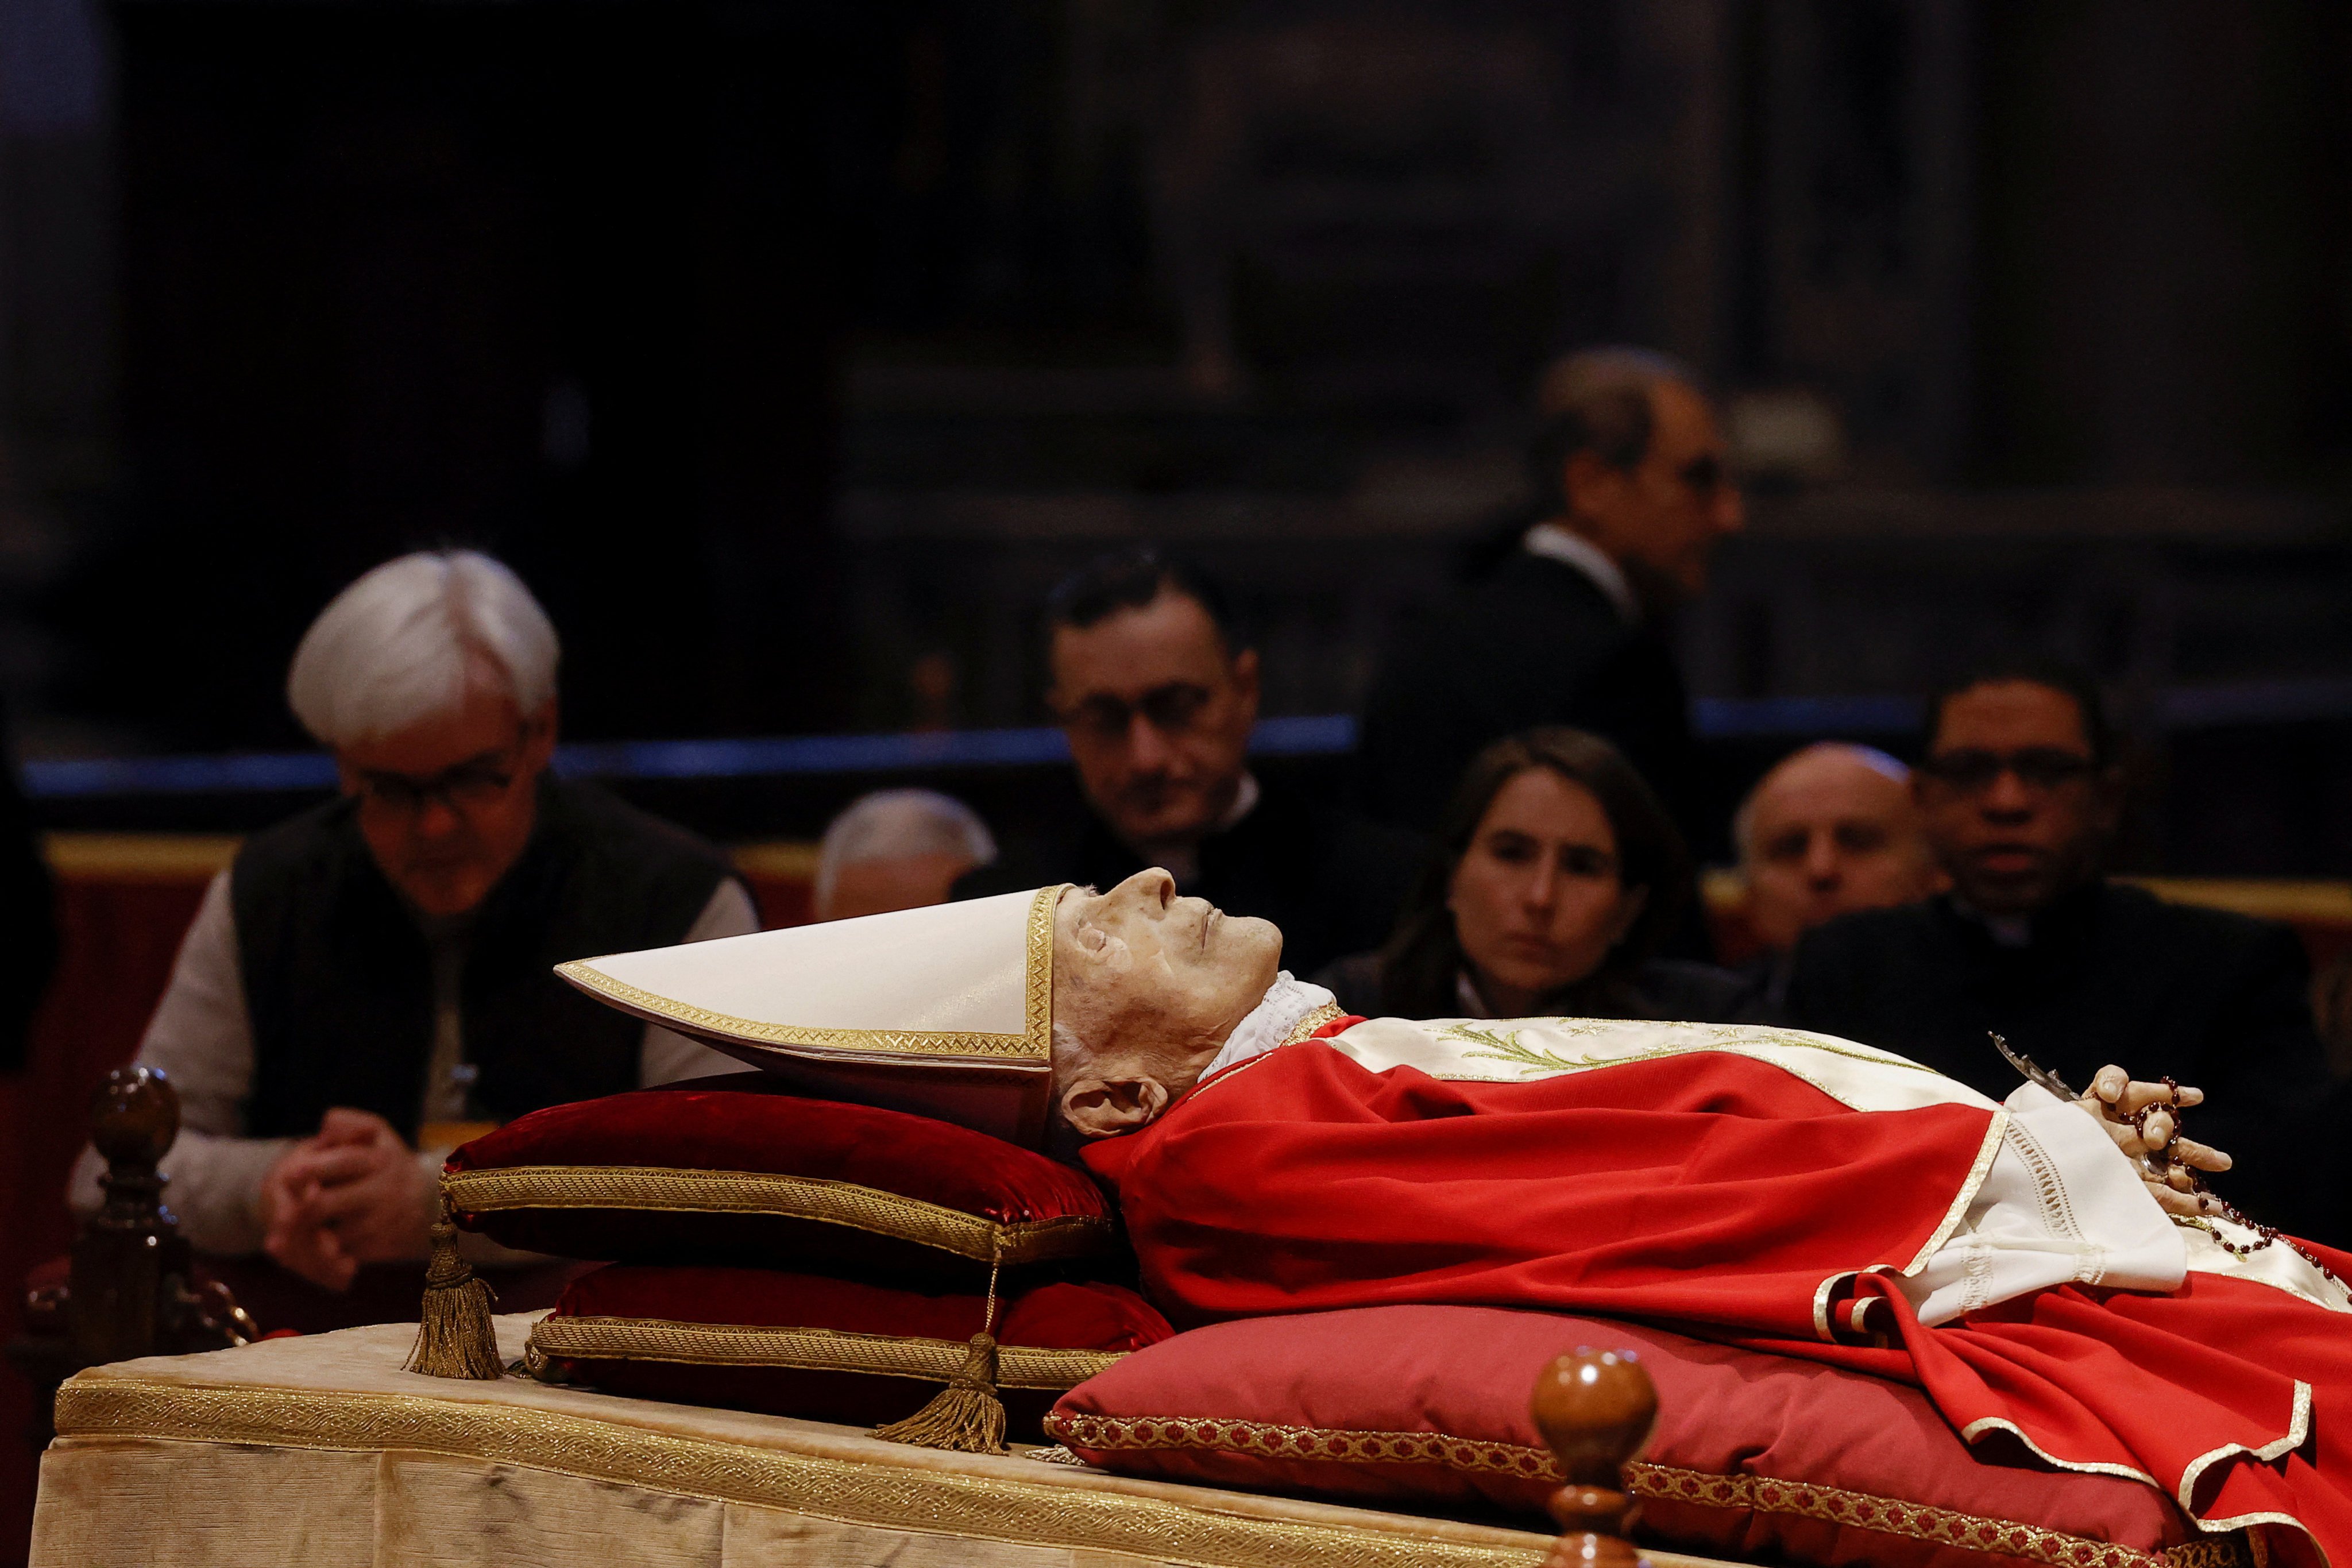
point(1152, 887)
point(1146, 749)
point(1541, 890)
point(2006, 799)
point(1821, 860)
point(435, 819)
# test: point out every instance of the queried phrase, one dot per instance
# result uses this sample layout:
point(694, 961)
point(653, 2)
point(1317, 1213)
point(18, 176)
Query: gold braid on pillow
point(659, 1188)
point(808, 1350)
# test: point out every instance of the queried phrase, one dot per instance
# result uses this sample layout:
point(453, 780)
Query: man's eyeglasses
point(1172, 708)
point(1973, 770)
point(471, 785)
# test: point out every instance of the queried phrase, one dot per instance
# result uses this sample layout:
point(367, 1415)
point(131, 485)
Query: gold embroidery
point(1757, 1494)
point(810, 1349)
point(1034, 1045)
point(1130, 1434)
point(1508, 1047)
point(844, 1203)
point(1313, 1020)
point(1918, 1521)
point(969, 1496)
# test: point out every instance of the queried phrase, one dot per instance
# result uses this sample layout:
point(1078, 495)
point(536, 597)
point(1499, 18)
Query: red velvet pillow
point(1754, 1454)
point(732, 1170)
point(828, 1350)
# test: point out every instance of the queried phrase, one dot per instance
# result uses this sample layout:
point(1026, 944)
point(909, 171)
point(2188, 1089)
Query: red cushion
point(829, 1350)
point(1754, 1453)
point(733, 1168)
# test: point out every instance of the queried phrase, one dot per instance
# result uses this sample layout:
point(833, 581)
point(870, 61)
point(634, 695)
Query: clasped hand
point(352, 1193)
point(2144, 1120)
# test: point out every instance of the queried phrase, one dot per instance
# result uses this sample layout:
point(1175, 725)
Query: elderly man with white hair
point(372, 979)
point(898, 849)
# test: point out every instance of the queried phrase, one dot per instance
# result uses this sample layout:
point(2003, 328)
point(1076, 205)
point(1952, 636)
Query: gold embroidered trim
point(1918, 1521)
point(661, 1189)
point(1756, 1494)
point(1034, 1045)
point(1131, 1433)
point(1995, 1132)
point(1314, 1021)
point(947, 1495)
point(809, 1350)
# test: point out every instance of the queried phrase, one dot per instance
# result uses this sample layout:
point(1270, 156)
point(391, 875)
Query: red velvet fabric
point(1465, 1373)
point(1718, 1191)
point(742, 1122)
point(1059, 1316)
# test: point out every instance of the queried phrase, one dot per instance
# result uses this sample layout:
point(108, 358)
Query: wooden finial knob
point(133, 1117)
point(1595, 1409)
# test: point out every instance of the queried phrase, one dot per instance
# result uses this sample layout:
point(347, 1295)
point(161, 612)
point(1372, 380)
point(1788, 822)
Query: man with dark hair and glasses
point(372, 981)
point(1154, 682)
point(2018, 788)
point(1629, 472)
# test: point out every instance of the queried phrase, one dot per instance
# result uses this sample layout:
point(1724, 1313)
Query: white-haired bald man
point(376, 973)
point(1832, 828)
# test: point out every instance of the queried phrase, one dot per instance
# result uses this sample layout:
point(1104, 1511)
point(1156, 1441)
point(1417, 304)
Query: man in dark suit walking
point(1567, 629)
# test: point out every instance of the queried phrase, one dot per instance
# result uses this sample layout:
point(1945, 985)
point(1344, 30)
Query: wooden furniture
point(321, 1449)
point(134, 1288)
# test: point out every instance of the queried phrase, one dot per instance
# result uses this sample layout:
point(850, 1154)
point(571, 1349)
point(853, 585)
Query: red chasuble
point(1743, 1189)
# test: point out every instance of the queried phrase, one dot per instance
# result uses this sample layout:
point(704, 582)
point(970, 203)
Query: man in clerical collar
point(1634, 492)
point(2019, 789)
point(1157, 688)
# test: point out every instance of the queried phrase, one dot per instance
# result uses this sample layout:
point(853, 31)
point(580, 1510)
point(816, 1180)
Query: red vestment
point(1715, 1191)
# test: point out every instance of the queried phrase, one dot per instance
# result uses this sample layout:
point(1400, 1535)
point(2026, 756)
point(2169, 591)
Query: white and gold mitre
point(946, 1010)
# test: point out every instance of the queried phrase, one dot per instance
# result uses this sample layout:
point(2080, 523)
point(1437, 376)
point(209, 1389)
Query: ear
point(1100, 1106)
point(1589, 482)
point(1245, 676)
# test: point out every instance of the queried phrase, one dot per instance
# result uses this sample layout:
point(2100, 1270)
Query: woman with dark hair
point(1559, 874)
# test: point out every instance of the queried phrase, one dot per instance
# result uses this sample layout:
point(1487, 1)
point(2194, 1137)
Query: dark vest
point(338, 976)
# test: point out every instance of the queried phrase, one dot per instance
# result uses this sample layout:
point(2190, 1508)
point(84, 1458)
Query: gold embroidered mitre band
point(947, 1011)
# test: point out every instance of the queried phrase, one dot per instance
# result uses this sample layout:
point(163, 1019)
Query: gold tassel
point(967, 1416)
point(454, 1335)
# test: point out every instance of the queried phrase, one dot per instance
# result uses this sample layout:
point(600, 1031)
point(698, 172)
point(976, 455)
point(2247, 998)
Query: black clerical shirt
point(2106, 973)
point(1332, 881)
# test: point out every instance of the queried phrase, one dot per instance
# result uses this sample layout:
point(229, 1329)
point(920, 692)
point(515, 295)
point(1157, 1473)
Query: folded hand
point(353, 1193)
point(2144, 1120)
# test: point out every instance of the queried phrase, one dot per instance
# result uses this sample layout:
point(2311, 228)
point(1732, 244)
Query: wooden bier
point(1595, 1410)
point(133, 1287)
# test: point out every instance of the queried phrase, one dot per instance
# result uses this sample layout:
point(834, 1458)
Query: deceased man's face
point(1146, 987)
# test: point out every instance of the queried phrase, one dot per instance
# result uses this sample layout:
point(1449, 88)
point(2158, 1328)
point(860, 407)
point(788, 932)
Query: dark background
point(791, 349)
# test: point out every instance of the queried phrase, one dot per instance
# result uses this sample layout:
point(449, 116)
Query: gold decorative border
point(1133, 1434)
point(660, 1189)
point(1756, 1494)
point(926, 1491)
point(1034, 1045)
point(1313, 1020)
point(808, 1350)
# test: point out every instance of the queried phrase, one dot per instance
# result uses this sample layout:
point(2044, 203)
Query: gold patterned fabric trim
point(979, 1500)
point(808, 1350)
point(1033, 1047)
point(1117, 1434)
point(1754, 1494)
point(1315, 1020)
point(660, 1189)
point(1918, 1521)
